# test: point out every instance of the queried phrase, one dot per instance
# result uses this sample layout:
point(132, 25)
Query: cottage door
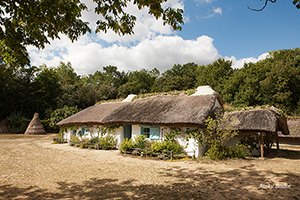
point(127, 131)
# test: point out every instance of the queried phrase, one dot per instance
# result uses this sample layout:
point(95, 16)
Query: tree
point(215, 74)
point(180, 77)
point(139, 82)
point(67, 74)
point(34, 22)
point(60, 114)
point(47, 90)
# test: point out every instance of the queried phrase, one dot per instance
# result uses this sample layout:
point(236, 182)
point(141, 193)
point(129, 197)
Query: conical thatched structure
point(35, 127)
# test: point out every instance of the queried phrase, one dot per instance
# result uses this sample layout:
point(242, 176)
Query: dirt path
point(31, 167)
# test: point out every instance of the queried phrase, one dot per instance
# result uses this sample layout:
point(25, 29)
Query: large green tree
point(180, 77)
point(34, 22)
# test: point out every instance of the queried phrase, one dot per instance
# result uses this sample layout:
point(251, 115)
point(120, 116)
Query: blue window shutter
point(154, 133)
point(74, 132)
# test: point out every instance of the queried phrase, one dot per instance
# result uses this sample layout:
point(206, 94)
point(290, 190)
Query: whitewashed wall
point(192, 147)
point(94, 132)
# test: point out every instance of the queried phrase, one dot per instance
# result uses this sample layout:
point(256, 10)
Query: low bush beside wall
point(106, 142)
point(165, 150)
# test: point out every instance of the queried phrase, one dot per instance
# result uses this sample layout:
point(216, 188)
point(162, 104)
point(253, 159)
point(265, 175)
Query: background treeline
point(56, 92)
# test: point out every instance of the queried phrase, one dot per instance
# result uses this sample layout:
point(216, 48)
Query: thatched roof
point(35, 127)
point(165, 110)
point(256, 120)
point(155, 110)
point(294, 127)
point(93, 115)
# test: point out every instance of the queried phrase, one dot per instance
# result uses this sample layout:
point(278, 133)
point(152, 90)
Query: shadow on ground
point(284, 153)
point(242, 183)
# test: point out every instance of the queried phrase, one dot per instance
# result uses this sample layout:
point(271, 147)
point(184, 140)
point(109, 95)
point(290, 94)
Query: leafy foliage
point(166, 146)
point(274, 81)
point(33, 22)
point(61, 113)
point(126, 145)
point(106, 142)
point(220, 152)
point(59, 139)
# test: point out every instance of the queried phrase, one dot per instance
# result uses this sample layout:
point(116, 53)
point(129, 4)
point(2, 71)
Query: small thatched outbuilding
point(259, 121)
point(294, 137)
point(35, 127)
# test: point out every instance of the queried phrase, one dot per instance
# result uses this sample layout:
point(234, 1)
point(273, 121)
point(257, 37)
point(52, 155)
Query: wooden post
point(277, 140)
point(171, 155)
point(261, 145)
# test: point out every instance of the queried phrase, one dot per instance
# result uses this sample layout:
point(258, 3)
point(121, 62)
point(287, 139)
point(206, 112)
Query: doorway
point(127, 131)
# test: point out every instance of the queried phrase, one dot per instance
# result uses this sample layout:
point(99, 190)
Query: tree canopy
point(33, 22)
point(274, 81)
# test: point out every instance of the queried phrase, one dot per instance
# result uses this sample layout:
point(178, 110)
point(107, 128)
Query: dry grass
point(31, 167)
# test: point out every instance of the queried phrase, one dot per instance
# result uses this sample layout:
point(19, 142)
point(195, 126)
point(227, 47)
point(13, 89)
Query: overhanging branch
point(266, 3)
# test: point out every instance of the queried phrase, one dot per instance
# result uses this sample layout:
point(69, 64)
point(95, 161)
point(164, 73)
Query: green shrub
point(241, 151)
point(166, 146)
point(175, 146)
point(17, 123)
point(157, 146)
point(108, 142)
point(140, 141)
point(59, 140)
point(95, 140)
point(126, 145)
point(220, 152)
point(251, 142)
point(74, 140)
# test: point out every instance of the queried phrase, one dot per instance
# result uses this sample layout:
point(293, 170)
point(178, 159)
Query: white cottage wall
point(136, 131)
point(192, 147)
point(94, 131)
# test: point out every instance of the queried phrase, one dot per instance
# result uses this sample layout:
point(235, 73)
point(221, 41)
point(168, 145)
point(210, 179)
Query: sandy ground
point(31, 167)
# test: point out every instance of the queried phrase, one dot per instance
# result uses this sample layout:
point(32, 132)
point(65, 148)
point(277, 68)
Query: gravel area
point(31, 167)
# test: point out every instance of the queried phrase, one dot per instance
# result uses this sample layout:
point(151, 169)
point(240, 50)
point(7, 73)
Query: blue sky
point(212, 29)
point(243, 33)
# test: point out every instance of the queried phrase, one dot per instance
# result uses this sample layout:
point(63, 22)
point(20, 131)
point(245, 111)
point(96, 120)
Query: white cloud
point(161, 52)
point(205, 1)
point(146, 26)
point(214, 12)
point(237, 64)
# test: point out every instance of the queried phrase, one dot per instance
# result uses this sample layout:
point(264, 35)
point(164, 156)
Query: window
point(74, 132)
point(83, 131)
point(150, 132)
point(146, 132)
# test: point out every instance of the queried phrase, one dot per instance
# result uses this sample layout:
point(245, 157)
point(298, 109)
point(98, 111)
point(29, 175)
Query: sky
point(212, 29)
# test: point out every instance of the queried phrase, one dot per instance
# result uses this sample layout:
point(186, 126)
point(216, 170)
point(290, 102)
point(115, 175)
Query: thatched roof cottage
point(152, 116)
point(257, 121)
